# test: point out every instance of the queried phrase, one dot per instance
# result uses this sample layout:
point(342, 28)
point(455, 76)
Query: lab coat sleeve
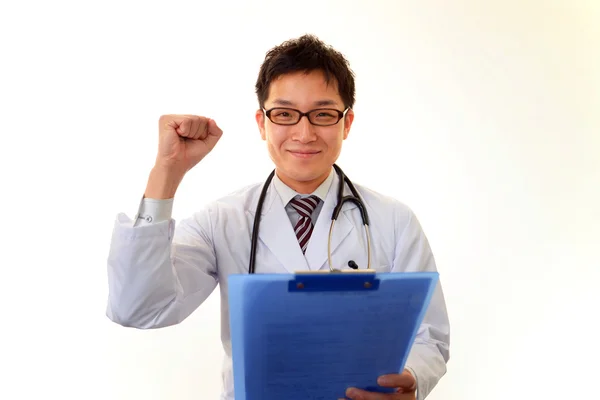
point(158, 274)
point(430, 352)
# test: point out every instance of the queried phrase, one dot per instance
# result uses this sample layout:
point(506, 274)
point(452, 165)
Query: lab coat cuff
point(414, 374)
point(124, 228)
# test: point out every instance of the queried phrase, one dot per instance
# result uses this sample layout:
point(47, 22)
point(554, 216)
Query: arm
point(430, 352)
point(158, 275)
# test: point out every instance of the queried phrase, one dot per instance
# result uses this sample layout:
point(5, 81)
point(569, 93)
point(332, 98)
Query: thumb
point(404, 380)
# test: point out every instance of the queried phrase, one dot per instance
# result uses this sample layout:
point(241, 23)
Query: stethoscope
point(341, 199)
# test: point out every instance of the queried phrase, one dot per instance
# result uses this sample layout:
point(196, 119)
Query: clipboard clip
point(335, 280)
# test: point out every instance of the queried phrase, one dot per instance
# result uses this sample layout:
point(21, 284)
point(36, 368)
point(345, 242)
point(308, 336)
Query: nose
point(304, 131)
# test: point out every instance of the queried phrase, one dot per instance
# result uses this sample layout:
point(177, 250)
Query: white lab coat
point(159, 274)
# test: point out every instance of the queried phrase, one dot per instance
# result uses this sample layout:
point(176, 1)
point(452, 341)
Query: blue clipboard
point(312, 335)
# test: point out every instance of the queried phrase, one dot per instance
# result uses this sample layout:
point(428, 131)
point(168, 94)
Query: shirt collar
point(287, 193)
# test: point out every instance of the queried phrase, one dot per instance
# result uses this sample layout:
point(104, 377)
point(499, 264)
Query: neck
point(303, 187)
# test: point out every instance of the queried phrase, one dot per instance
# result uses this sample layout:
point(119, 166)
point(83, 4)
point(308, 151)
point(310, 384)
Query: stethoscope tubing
point(341, 199)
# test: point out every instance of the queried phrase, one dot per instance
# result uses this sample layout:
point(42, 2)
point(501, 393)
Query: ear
point(260, 121)
point(348, 119)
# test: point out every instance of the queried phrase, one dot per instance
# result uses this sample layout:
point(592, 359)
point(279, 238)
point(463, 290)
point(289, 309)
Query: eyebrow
point(318, 103)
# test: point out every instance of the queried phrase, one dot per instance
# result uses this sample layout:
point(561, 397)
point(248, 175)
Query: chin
point(306, 172)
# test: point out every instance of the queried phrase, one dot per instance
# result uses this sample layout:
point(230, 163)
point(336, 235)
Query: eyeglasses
point(290, 116)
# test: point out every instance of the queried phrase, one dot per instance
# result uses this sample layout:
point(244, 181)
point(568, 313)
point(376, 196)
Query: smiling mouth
point(304, 154)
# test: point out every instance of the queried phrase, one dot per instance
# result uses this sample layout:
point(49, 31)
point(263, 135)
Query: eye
point(326, 115)
point(283, 116)
point(281, 113)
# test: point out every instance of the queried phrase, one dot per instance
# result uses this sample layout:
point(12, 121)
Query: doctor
point(160, 272)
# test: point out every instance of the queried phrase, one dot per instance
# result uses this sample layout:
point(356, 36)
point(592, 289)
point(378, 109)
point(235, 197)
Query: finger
point(214, 134)
point(203, 129)
point(200, 128)
point(356, 394)
point(359, 394)
point(405, 380)
point(193, 127)
point(184, 127)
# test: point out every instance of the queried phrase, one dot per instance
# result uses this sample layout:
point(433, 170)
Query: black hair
point(306, 53)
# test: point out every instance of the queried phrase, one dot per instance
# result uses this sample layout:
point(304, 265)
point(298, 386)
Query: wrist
point(162, 183)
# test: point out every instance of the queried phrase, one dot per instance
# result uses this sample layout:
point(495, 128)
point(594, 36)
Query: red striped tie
point(304, 227)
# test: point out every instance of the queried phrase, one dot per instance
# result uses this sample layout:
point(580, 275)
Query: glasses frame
point(341, 114)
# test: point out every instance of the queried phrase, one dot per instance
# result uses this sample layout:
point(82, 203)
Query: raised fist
point(184, 140)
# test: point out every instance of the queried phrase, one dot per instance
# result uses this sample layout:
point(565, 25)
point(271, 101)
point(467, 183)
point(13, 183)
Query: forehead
point(301, 89)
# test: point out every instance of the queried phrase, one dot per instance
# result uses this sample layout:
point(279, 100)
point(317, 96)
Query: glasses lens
point(284, 116)
point(324, 117)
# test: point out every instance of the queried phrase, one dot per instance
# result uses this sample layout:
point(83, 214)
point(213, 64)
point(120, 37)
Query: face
point(304, 153)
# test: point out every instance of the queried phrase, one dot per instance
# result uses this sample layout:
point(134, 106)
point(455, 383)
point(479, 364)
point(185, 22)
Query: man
point(159, 274)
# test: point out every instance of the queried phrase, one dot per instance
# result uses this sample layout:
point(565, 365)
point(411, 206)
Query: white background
point(483, 116)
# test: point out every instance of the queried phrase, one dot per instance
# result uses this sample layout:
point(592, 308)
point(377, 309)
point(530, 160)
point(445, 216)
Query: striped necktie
point(304, 227)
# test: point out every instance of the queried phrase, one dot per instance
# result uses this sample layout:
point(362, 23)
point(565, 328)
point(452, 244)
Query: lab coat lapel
point(316, 252)
point(277, 234)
